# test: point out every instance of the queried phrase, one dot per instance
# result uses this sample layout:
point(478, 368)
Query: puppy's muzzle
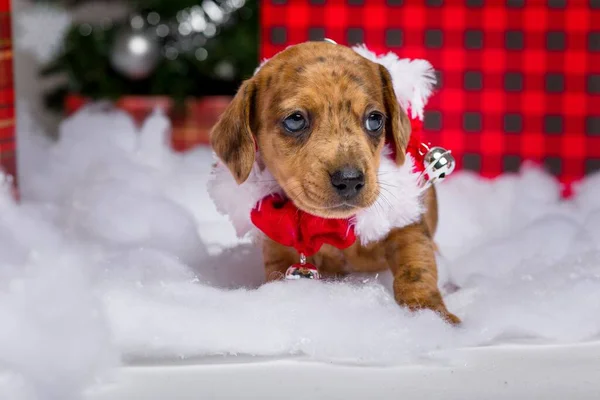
point(348, 182)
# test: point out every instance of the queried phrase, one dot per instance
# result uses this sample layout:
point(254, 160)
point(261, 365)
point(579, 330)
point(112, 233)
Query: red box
point(190, 126)
point(518, 80)
point(8, 160)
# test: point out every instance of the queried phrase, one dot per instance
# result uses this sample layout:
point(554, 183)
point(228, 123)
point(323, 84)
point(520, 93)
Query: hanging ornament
point(302, 270)
point(225, 70)
point(438, 163)
point(135, 53)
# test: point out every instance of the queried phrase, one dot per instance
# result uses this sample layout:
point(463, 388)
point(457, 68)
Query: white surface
point(116, 253)
point(502, 372)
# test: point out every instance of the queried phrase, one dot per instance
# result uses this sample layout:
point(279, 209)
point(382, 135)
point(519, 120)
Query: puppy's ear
point(398, 128)
point(232, 138)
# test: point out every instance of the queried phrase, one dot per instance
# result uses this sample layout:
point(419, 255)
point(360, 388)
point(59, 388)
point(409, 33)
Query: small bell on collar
point(438, 163)
point(302, 270)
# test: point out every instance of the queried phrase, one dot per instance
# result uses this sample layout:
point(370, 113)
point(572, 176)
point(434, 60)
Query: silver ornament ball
point(135, 53)
point(439, 163)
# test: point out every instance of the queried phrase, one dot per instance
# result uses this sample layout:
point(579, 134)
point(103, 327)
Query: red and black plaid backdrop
point(518, 80)
point(7, 106)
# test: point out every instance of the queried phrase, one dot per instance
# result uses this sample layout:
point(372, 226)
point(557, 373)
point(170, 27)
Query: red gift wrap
point(190, 126)
point(8, 161)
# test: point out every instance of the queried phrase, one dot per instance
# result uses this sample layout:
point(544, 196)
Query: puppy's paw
point(442, 311)
point(432, 302)
point(449, 317)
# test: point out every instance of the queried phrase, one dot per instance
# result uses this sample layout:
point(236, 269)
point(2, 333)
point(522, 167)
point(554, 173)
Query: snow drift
point(116, 254)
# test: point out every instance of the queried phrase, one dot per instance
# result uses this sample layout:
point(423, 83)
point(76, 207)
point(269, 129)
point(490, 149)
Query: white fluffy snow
point(40, 29)
point(116, 254)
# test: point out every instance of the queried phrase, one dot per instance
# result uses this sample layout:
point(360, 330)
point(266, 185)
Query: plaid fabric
point(7, 95)
point(518, 80)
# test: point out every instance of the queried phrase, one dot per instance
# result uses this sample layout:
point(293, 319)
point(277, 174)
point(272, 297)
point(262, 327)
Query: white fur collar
point(237, 201)
point(400, 201)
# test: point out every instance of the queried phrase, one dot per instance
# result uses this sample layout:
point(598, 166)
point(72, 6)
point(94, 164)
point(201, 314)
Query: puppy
point(319, 115)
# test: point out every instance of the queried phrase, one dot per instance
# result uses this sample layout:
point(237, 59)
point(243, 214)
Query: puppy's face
point(320, 115)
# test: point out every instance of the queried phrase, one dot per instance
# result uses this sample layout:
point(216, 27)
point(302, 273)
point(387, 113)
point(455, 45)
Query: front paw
point(449, 317)
point(417, 300)
point(441, 310)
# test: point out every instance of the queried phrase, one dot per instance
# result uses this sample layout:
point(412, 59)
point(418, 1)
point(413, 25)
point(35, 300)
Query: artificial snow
point(115, 254)
point(40, 29)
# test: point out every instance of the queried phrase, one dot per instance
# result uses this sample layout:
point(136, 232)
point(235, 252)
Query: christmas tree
point(175, 48)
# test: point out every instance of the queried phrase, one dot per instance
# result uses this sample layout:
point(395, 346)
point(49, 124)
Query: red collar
point(284, 223)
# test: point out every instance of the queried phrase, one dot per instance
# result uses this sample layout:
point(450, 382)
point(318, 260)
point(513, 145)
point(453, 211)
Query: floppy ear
point(397, 128)
point(231, 138)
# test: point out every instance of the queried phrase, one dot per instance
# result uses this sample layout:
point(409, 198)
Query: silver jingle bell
point(439, 163)
point(302, 270)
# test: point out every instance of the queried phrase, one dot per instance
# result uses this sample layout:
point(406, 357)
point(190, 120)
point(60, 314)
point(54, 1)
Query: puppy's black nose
point(348, 182)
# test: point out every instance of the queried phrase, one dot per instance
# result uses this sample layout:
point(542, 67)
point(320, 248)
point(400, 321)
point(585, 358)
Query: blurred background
point(137, 54)
point(517, 80)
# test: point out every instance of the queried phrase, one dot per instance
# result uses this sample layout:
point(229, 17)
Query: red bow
point(284, 223)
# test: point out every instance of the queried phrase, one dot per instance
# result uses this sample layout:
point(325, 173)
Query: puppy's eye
point(374, 122)
point(295, 123)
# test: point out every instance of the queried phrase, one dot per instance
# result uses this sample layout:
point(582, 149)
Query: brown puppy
point(319, 114)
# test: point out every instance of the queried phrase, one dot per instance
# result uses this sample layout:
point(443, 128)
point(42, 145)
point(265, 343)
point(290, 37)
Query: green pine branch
point(85, 61)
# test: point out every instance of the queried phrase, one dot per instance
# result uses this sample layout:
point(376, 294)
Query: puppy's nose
point(348, 182)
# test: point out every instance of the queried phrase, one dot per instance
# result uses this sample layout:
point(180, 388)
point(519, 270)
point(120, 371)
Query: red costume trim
point(281, 221)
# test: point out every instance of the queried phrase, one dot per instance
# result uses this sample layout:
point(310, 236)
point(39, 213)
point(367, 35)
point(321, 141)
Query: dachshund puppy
point(319, 115)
